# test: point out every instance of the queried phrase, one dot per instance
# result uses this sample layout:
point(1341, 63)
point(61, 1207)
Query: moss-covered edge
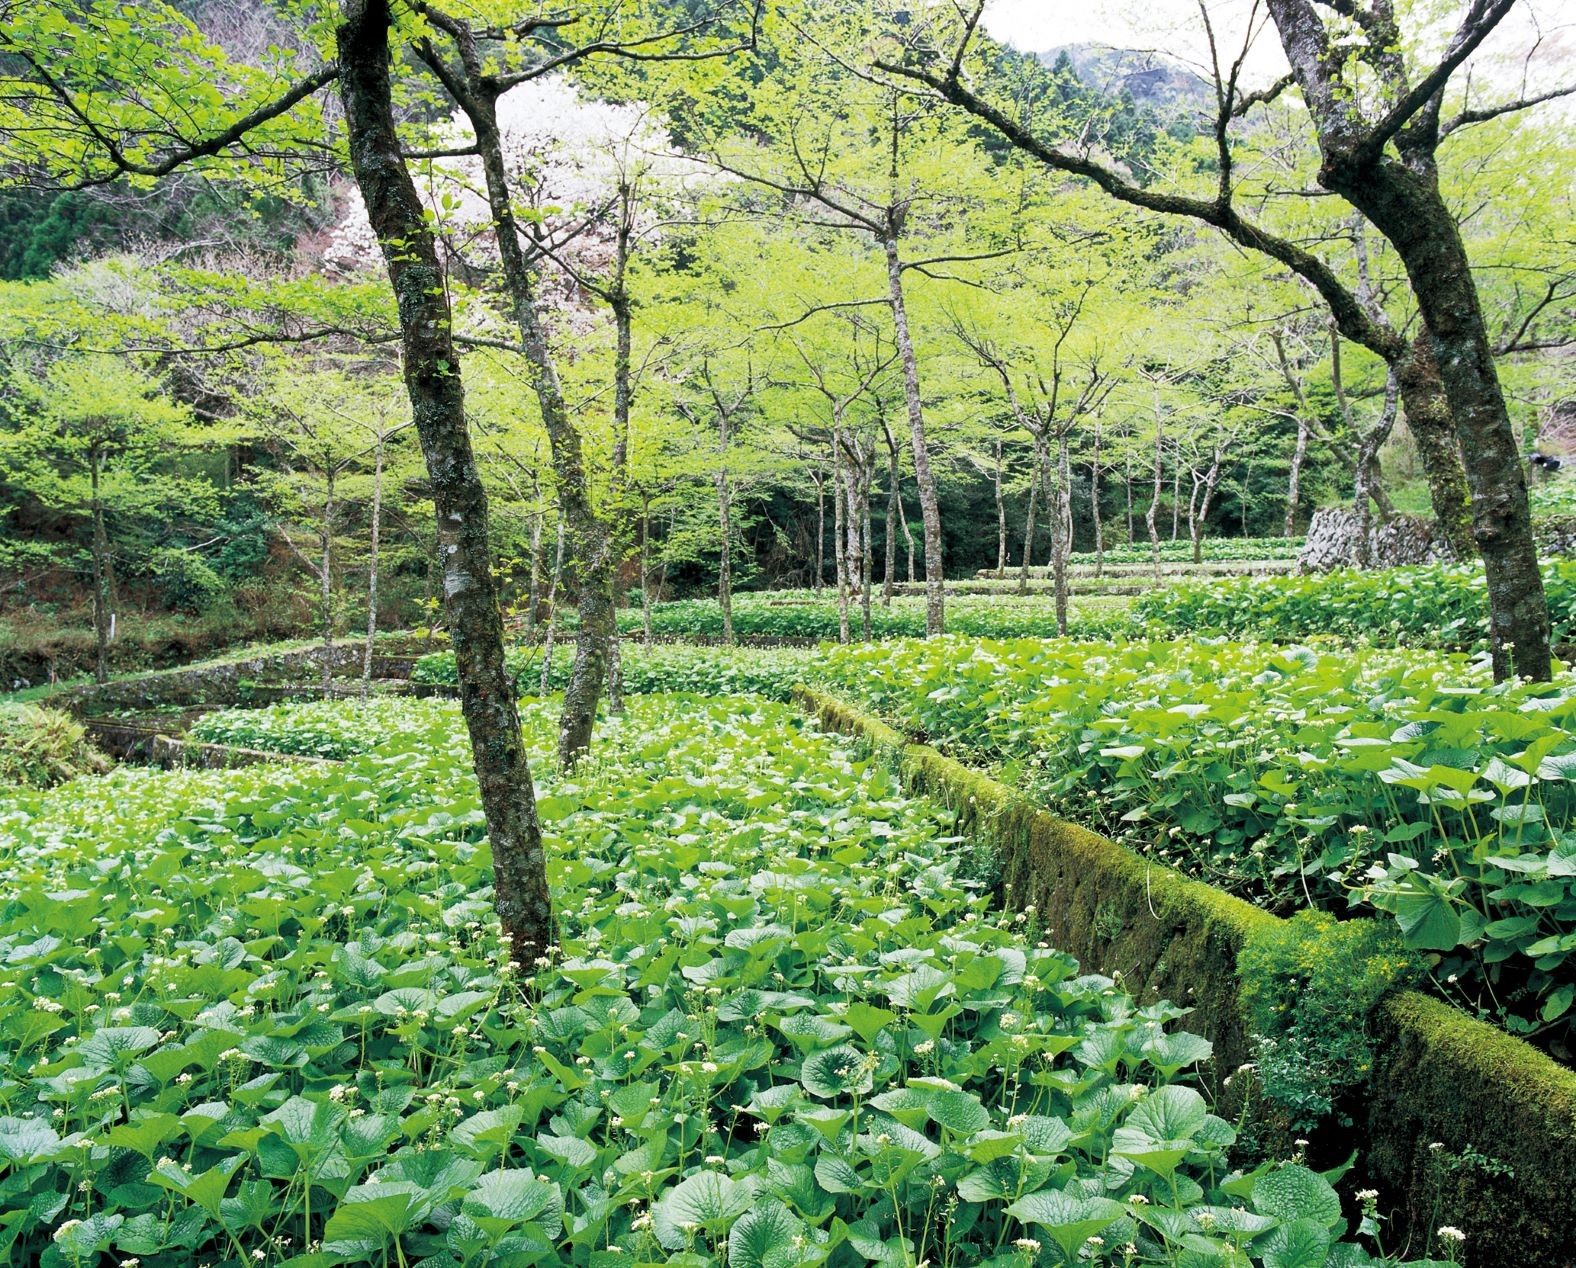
point(1441, 1079)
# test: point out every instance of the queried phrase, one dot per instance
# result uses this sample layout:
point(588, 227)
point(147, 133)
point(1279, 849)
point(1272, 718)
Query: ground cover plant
point(262, 1016)
point(1395, 782)
point(333, 729)
point(805, 614)
point(1436, 606)
point(769, 672)
point(1212, 550)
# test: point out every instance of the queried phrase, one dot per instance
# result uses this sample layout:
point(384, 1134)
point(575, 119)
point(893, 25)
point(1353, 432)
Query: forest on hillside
point(203, 425)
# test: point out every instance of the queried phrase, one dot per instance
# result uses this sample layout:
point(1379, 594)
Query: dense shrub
point(40, 748)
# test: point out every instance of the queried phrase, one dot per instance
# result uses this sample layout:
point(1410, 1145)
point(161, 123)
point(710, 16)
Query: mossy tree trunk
point(437, 397)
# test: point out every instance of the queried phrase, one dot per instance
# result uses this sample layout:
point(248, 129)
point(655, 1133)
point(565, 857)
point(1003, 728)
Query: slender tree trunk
point(487, 698)
point(615, 676)
point(1127, 484)
point(1001, 520)
point(1363, 454)
point(866, 553)
point(889, 535)
point(924, 480)
point(820, 530)
point(1059, 501)
point(725, 522)
point(1299, 455)
point(100, 568)
point(1037, 462)
point(645, 568)
point(1094, 504)
point(1176, 497)
point(553, 583)
point(1366, 474)
point(533, 596)
point(1193, 522)
point(372, 568)
point(591, 541)
point(840, 518)
point(1154, 500)
point(325, 574)
point(853, 523)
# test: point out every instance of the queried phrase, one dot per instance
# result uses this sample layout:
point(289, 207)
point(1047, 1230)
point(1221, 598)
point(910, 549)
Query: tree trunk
point(1127, 484)
point(1429, 420)
point(894, 501)
point(924, 480)
point(725, 523)
point(853, 525)
point(1400, 196)
point(432, 379)
point(1176, 497)
point(1094, 504)
point(908, 541)
point(645, 568)
point(866, 553)
point(1299, 455)
point(545, 683)
point(1001, 521)
point(1037, 460)
point(533, 597)
point(1193, 527)
point(591, 542)
point(325, 574)
point(615, 675)
point(1154, 501)
point(840, 519)
point(100, 569)
point(1058, 500)
point(820, 530)
point(372, 568)
point(1366, 476)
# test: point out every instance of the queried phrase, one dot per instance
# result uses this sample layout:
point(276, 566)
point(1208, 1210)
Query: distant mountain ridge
point(1150, 77)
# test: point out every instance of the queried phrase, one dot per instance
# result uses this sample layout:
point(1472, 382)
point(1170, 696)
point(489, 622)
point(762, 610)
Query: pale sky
point(1173, 26)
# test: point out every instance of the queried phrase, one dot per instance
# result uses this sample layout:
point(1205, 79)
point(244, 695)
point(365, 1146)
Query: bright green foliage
point(707, 671)
point(801, 614)
point(1309, 989)
point(42, 747)
point(1399, 780)
point(1438, 606)
point(1213, 550)
point(327, 728)
point(776, 1012)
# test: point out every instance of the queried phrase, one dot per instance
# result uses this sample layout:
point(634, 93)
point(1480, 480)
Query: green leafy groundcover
point(1402, 781)
point(1213, 550)
point(769, 672)
point(260, 1017)
point(1440, 606)
point(804, 614)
